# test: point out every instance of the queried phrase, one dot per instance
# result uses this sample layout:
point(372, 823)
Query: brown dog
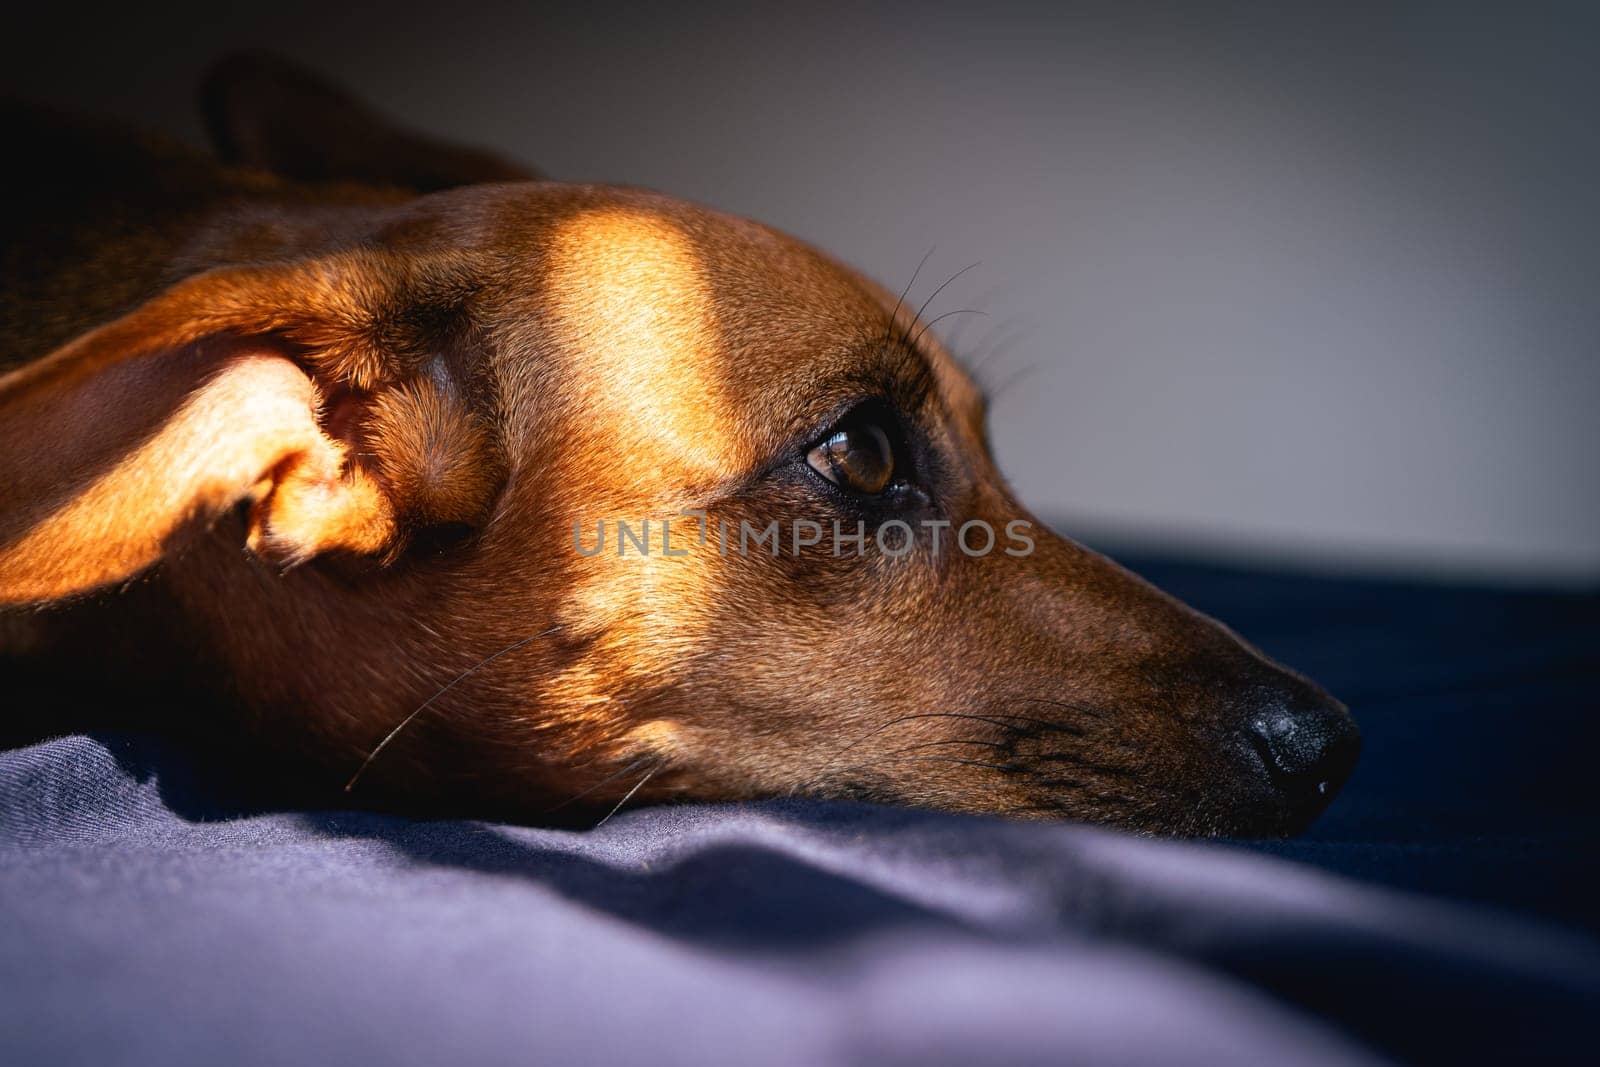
point(344, 450)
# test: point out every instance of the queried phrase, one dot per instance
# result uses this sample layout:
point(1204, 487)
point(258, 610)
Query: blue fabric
point(1443, 911)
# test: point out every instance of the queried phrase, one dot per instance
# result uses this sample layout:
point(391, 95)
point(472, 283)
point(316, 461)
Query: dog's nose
point(1308, 751)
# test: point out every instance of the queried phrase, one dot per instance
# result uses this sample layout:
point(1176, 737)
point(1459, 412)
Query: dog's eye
point(856, 456)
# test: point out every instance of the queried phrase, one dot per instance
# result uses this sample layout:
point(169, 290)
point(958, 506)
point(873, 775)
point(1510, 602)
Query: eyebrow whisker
point(932, 295)
point(900, 301)
point(940, 318)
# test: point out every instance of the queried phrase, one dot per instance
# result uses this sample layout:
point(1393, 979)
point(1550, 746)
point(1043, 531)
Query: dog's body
point(322, 444)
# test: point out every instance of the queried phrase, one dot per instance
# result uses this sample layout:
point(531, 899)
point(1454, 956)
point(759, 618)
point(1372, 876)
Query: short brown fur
point(338, 432)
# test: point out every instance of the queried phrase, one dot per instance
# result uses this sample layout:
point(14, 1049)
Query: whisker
point(607, 780)
point(833, 759)
point(1005, 384)
point(935, 293)
point(998, 347)
point(1086, 709)
point(952, 741)
point(1088, 765)
point(1043, 724)
point(628, 795)
point(392, 734)
point(956, 338)
point(940, 318)
point(900, 302)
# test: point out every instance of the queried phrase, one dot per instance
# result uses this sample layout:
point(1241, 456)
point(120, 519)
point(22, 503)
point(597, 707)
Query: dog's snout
point(1308, 751)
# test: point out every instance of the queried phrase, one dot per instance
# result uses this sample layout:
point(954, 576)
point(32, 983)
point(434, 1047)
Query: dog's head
point(595, 494)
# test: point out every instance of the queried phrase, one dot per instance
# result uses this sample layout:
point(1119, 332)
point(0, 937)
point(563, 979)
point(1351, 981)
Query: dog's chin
point(1265, 822)
point(1228, 805)
point(1272, 819)
point(1249, 811)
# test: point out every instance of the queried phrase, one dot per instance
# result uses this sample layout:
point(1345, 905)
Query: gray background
point(1314, 285)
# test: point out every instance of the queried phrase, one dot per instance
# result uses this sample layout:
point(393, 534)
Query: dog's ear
point(265, 111)
point(338, 399)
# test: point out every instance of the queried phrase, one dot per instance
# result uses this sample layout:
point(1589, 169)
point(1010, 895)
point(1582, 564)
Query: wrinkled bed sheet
point(1443, 911)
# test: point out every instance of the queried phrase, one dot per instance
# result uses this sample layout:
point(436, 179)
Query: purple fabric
point(144, 920)
point(764, 934)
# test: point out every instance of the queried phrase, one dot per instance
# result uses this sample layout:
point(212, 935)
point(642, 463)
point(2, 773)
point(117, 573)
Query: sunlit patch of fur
point(633, 306)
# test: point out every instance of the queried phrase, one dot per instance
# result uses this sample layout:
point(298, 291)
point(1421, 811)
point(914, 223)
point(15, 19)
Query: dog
point(441, 479)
